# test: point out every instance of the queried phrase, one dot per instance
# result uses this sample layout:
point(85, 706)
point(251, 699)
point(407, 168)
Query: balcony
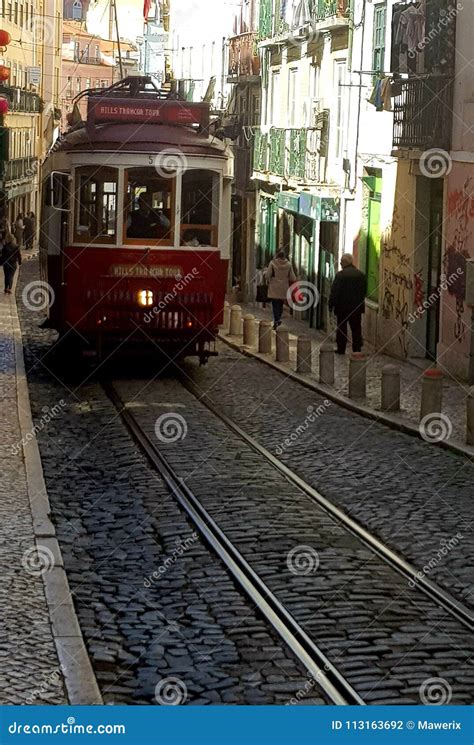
point(290, 154)
point(83, 60)
point(19, 169)
point(243, 169)
point(323, 14)
point(423, 116)
point(244, 61)
point(20, 100)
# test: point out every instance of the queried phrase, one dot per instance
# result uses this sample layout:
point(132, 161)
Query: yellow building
point(33, 58)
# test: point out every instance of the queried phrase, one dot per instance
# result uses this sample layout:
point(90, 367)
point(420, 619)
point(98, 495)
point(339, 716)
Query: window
point(292, 82)
point(275, 99)
point(149, 206)
point(78, 85)
point(200, 208)
point(88, 83)
point(97, 51)
point(380, 16)
point(69, 87)
point(104, 83)
point(77, 10)
point(9, 10)
point(77, 51)
point(96, 199)
point(339, 79)
point(15, 15)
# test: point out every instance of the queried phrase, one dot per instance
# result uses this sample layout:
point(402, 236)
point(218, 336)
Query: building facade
point(31, 88)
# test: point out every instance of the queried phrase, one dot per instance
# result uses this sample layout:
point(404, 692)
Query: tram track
point(321, 669)
point(337, 686)
point(436, 593)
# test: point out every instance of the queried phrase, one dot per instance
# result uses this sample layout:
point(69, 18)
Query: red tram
point(136, 224)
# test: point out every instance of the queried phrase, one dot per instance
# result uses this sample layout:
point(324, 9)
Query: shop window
point(200, 208)
point(149, 207)
point(96, 199)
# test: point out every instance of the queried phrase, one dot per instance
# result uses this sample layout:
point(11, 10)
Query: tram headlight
point(145, 298)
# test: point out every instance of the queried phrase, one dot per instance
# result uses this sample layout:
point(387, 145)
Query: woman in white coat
point(280, 276)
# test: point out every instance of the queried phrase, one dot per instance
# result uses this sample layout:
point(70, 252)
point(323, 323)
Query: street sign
point(34, 76)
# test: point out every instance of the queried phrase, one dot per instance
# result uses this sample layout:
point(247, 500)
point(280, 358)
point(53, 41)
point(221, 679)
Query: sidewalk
point(450, 430)
point(42, 654)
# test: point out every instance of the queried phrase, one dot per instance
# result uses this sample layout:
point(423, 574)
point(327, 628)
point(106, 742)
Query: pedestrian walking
point(10, 259)
point(19, 229)
point(261, 293)
point(30, 229)
point(347, 301)
point(279, 276)
point(4, 230)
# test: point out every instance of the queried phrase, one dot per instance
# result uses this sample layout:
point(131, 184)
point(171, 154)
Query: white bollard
point(358, 375)
point(326, 364)
point(265, 337)
point(304, 353)
point(431, 393)
point(250, 331)
point(226, 322)
point(235, 321)
point(470, 417)
point(390, 388)
point(282, 345)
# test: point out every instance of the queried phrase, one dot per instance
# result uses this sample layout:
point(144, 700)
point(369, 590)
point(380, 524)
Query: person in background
point(30, 229)
point(10, 260)
point(347, 301)
point(19, 229)
point(4, 230)
point(261, 294)
point(279, 276)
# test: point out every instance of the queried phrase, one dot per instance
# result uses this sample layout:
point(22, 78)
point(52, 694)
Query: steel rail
point(321, 669)
point(457, 609)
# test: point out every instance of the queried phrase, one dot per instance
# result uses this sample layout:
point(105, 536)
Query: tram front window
point(200, 208)
point(96, 200)
point(149, 206)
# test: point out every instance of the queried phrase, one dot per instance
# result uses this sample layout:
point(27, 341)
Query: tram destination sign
point(103, 109)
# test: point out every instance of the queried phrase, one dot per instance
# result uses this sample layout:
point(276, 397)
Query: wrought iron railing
point(289, 153)
point(423, 112)
point(323, 9)
point(265, 21)
point(243, 55)
point(20, 168)
point(21, 100)
point(260, 152)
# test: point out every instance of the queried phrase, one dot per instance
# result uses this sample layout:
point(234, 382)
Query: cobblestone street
point(160, 614)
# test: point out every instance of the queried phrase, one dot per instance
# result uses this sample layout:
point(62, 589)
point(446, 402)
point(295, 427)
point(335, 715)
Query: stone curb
point(79, 678)
point(390, 420)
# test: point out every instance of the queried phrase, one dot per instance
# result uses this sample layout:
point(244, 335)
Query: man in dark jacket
point(347, 301)
point(10, 259)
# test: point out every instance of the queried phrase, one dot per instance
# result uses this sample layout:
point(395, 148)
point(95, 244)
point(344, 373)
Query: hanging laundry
point(386, 94)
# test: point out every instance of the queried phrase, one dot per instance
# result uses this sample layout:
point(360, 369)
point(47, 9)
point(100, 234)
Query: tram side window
point(200, 208)
point(149, 210)
point(96, 205)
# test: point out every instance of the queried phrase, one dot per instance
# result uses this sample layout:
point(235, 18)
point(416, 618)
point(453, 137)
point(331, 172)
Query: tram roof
point(130, 137)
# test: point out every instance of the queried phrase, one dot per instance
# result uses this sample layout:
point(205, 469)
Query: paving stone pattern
point(29, 668)
point(410, 494)
point(454, 392)
point(153, 603)
point(386, 638)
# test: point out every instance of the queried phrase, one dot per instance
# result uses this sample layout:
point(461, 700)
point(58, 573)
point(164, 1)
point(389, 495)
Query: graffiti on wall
point(397, 279)
point(461, 211)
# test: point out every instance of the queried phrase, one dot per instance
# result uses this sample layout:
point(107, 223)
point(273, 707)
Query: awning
point(289, 201)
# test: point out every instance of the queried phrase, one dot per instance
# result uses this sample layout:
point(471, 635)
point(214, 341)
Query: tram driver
point(147, 221)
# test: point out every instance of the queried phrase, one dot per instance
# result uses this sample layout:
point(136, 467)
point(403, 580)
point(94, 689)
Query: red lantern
point(4, 73)
point(5, 38)
point(3, 105)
